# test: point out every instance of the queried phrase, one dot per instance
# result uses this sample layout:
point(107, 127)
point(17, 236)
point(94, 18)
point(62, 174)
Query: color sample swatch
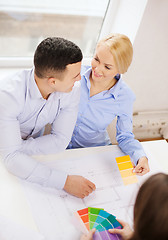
point(105, 235)
point(125, 167)
point(88, 216)
point(101, 220)
point(84, 216)
point(93, 214)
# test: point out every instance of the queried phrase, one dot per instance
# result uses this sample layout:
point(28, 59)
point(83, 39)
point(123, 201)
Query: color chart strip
point(93, 214)
point(101, 220)
point(88, 216)
point(106, 221)
point(125, 167)
point(102, 216)
point(105, 235)
point(83, 214)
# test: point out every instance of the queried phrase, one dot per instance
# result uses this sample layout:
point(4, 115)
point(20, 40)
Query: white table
point(13, 201)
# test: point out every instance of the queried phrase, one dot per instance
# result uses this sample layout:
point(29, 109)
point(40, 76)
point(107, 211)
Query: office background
point(23, 24)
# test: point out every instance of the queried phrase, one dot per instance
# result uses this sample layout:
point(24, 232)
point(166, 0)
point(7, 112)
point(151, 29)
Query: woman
point(150, 212)
point(105, 96)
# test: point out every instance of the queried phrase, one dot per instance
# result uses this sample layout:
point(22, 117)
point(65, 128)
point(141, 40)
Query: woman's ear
point(117, 76)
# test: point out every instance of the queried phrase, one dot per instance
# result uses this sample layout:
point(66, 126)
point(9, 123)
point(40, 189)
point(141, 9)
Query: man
point(29, 100)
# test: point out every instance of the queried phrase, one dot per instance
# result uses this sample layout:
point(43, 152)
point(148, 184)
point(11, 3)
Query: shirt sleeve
point(125, 138)
point(16, 152)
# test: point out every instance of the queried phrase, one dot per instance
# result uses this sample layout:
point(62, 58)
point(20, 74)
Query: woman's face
point(103, 65)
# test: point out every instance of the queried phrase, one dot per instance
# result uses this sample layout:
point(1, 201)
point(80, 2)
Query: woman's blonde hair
point(121, 48)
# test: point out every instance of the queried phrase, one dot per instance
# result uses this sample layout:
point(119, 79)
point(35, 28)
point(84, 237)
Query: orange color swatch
point(83, 214)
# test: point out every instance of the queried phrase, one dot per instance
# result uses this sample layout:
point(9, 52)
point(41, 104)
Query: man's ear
point(52, 81)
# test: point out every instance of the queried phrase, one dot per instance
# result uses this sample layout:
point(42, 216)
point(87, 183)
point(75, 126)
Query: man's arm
point(11, 147)
point(61, 131)
point(16, 157)
point(20, 164)
point(27, 168)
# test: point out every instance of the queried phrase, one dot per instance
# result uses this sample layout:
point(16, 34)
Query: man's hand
point(78, 186)
point(142, 167)
point(125, 232)
point(88, 236)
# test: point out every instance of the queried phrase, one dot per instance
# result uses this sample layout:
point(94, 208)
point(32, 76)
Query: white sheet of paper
point(10, 230)
point(53, 210)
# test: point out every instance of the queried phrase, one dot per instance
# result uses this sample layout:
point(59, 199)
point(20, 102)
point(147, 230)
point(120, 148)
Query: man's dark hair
point(53, 54)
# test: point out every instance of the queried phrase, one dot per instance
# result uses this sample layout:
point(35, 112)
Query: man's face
point(69, 77)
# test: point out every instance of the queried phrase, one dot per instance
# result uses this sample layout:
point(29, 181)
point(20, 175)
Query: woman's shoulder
point(126, 91)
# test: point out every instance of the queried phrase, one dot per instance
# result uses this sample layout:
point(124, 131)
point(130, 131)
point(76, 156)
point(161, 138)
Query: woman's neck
point(97, 87)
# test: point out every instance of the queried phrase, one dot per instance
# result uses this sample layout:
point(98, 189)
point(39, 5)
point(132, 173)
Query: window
point(26, 23)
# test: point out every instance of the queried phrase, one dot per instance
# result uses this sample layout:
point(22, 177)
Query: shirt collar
point(113, 91)
point(34, 90)
point(87, 76)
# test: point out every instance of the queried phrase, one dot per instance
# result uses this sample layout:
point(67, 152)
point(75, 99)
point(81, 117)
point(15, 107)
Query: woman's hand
point(125, 232)
point(88, 236)
point(142, 167)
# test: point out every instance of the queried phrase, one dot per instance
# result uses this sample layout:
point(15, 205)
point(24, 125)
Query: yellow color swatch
point(127, 173)
point(123, 159)
point(130, 180)
point(126, 170)
point(125, 165)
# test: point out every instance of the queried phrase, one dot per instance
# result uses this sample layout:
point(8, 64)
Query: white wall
point(148, 74)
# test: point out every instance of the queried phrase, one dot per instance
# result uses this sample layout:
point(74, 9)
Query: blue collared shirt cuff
point(137, 155)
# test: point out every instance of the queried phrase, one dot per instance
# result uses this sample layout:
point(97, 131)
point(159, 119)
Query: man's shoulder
point(76, 87)
point(13, 88)
point(15, 81)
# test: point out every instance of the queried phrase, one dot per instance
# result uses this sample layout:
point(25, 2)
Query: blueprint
point(9, 230)
point(53, 210)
